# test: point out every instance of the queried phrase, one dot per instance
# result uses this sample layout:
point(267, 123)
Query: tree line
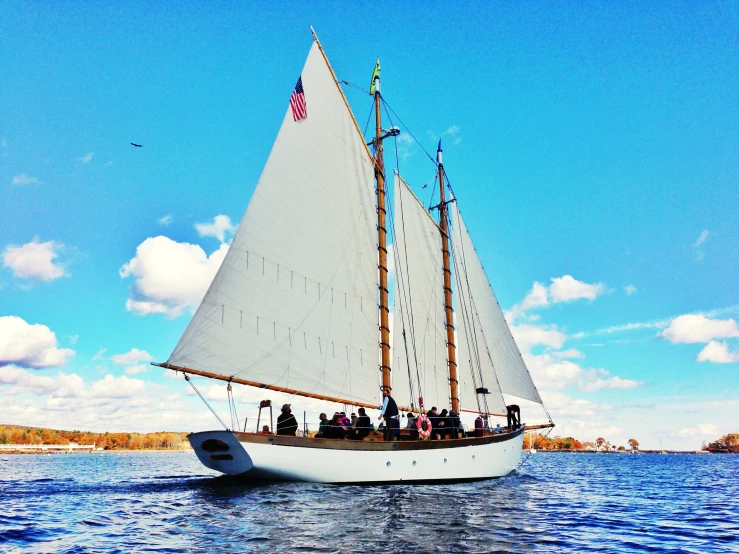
point(10, 434)
point(542, 442)
point(728, 443)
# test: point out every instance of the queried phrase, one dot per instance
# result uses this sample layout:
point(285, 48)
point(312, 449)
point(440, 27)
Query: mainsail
point(294, 303)
point(420, 357)
point(481, 323)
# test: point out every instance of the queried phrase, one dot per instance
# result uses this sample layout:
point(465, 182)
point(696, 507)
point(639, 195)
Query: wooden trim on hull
point(346, 444)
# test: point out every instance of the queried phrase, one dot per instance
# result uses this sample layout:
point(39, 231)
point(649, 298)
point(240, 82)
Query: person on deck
point(412, 422)
point(443, 424)
point(345, 421)
point(434, 420)
point(322, 426)
point(455, 425)
point(265, 430)
point(354, 421)
point(362, 427)
point(286, 422)
point(514, 416)
point(334, 430)
point(389, 410)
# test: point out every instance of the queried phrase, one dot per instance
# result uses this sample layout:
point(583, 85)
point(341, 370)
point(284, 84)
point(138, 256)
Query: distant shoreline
point(21, 452)
point(630, 451)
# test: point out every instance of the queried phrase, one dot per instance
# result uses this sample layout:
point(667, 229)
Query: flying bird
point(136, 145)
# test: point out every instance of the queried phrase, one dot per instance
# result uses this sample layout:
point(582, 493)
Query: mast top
point(438, 153)
point(375, 84)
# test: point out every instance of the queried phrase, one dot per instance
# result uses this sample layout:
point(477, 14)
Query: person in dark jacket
point(322, 426)
point(389, 410)
point(286, 422)
point(443, 424)
point(434, 420)
point(362, 428)
point(334, 429)
point(514, 416)
point(455, 425)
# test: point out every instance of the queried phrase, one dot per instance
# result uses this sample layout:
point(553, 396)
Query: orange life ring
point(423, 424)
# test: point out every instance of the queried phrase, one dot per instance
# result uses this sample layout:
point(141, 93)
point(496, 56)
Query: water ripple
point(167, 502)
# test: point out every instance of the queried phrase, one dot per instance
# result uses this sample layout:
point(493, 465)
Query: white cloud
point(611, 383)
point(562, 289)
point(165, 220)
point(692, 328)
point(131, 357)
point(100, 354)
point(28, 345)
point(706, 430)
point(702, 238)
point(23, 179)
point(87, 157)
point(133, 370)
point(718, 353)
point(528, 335)
point(554, 370)
point(569, 354)
point(629, 290)
point(34, 260)
point(169, 277)
point(219, 228)
point(567, 288)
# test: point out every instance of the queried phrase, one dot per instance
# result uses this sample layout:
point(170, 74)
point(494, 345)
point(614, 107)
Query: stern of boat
point(221, 451)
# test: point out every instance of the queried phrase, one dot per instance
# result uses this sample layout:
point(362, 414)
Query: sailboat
point(300, 306)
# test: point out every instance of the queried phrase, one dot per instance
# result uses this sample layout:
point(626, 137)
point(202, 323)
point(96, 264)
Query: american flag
point(297, 102)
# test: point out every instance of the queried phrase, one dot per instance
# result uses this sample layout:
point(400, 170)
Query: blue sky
point(593, 142)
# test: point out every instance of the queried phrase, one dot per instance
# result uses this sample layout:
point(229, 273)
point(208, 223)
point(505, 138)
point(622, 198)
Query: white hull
point(263, 457)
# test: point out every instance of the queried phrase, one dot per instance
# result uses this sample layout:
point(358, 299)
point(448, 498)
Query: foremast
point(448, 309)
point(381, 235)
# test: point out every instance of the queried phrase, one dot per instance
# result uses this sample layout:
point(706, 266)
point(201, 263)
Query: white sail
point(294, 303)
point(498, 354)
point(421, 357)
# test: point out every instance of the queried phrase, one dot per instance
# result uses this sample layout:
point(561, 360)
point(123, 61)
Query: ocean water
point(168, 502)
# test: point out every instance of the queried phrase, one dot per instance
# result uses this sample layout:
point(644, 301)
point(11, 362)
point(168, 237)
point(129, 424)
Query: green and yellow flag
point(375, 75)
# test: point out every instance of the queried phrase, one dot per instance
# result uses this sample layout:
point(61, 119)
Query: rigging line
point(405, 288)
point(395, 139)
point(187, 378)
point(473, 309)
point(507, 330)
point(347, 83)
point(529, 452)
point(433, 160)
point(474, 351)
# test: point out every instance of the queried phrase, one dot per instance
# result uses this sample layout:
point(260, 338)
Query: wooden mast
point(382, 237)
point(451, 347)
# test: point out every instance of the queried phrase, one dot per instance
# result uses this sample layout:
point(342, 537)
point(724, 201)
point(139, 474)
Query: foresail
point(294, 303)
point(420, 358)
point(485, 324)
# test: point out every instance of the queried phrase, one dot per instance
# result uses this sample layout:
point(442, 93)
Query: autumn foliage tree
point(10, 434)
point(727, 443)
point(634, 444)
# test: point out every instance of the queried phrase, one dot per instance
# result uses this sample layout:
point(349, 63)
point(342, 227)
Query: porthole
point(388, 464)
point(444, 460)
point(473, 456)
point(214, 445)
point(414, 462)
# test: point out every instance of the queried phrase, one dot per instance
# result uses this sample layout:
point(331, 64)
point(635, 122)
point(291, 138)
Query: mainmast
point(451, 347)
point(382, 236)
